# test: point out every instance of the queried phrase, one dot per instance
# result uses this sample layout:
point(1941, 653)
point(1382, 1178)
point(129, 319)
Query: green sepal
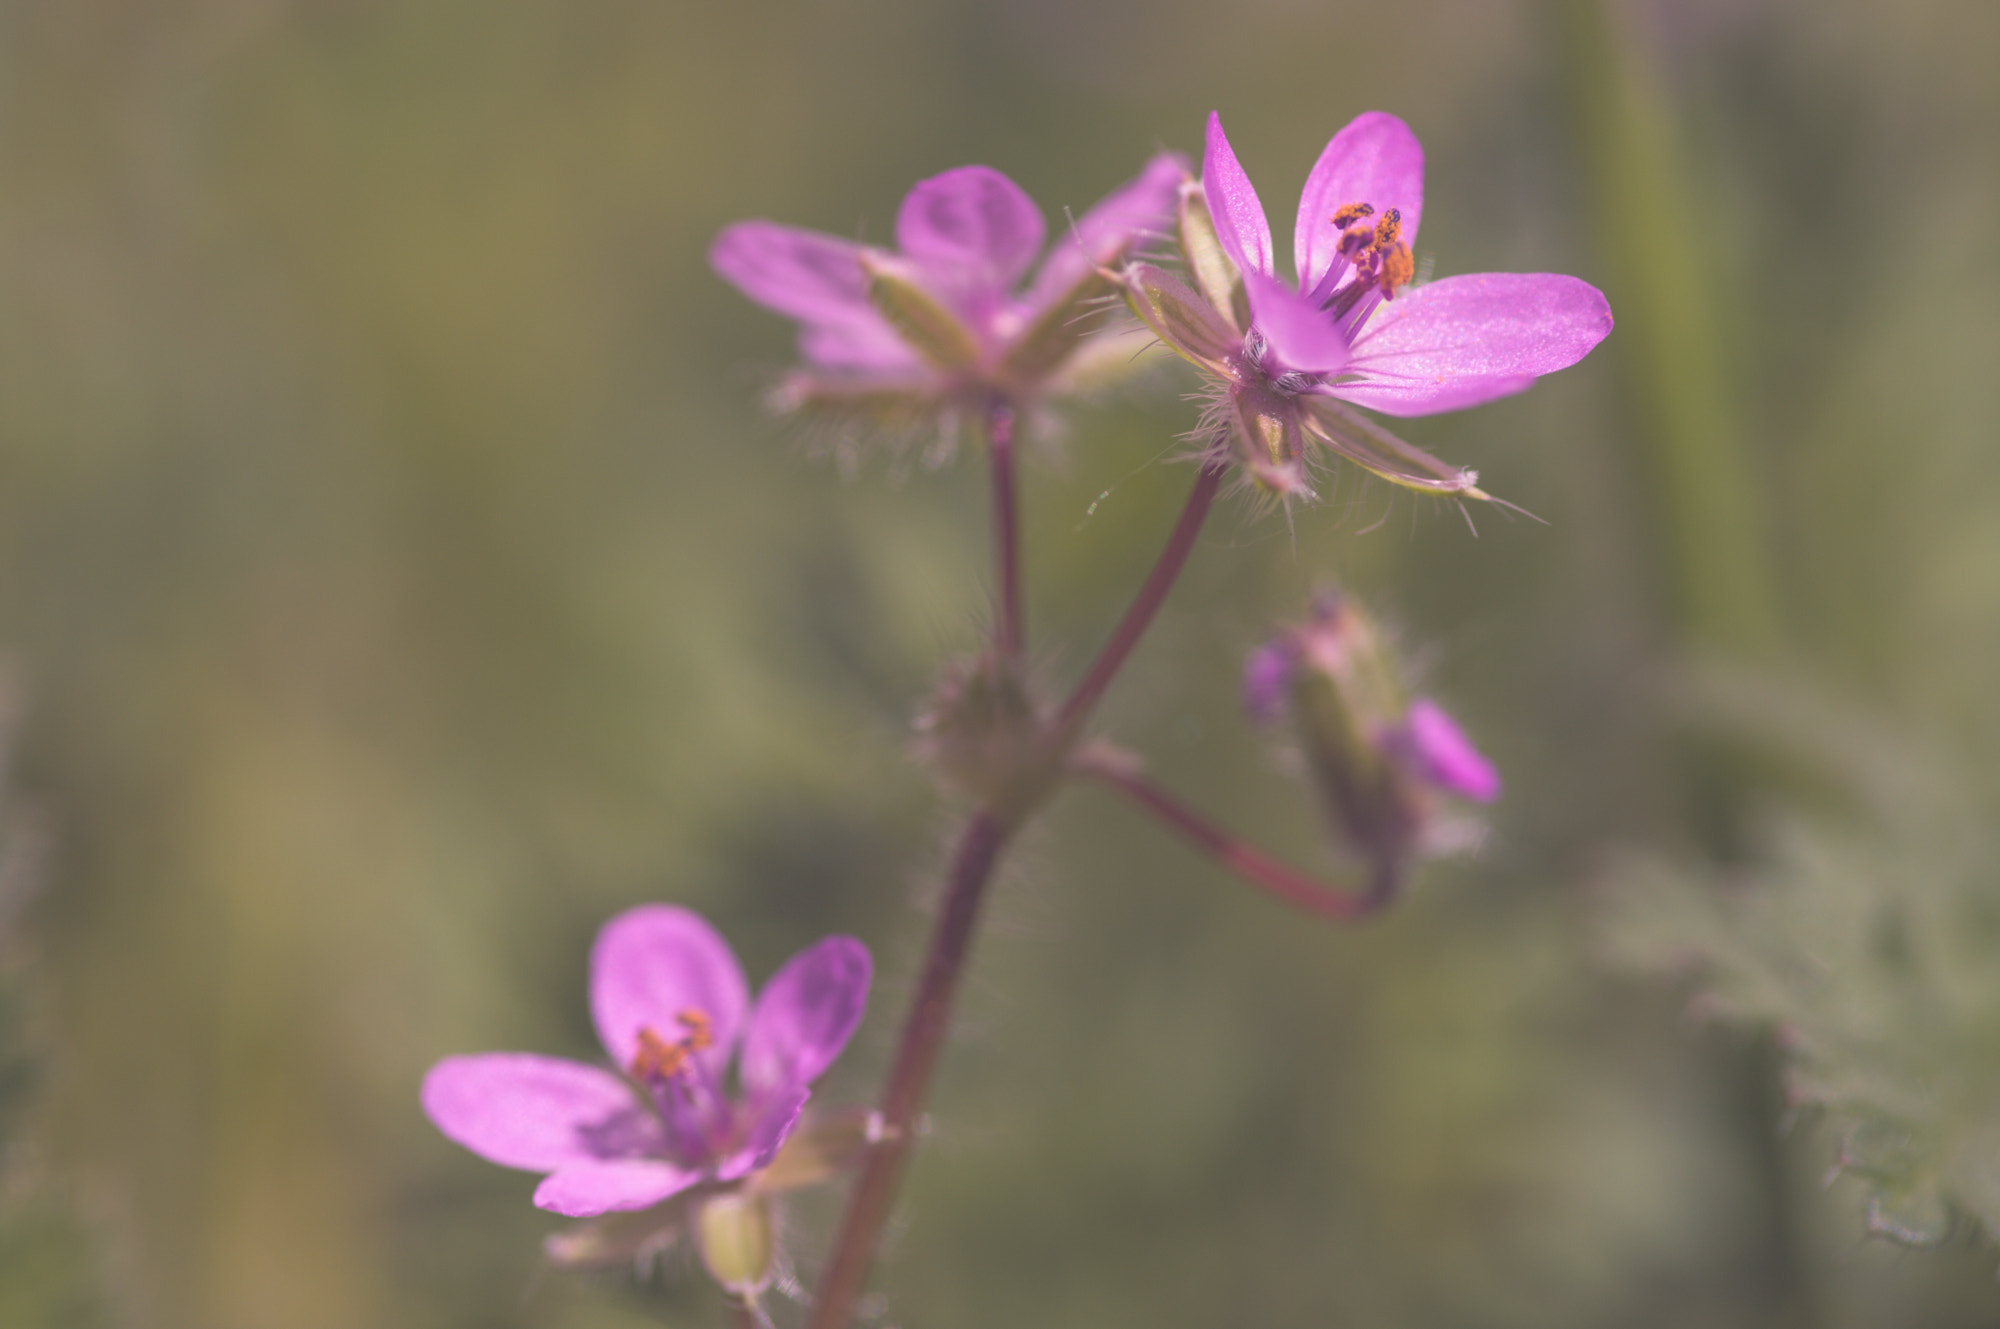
point(1213, 271)
point(819, 1150)
point(1179, 317)
point(1354, 437)
point(1052, 338)
point(920, 319)
point(1269, 445)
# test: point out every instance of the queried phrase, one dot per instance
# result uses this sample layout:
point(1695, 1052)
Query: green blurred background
point(398, 577)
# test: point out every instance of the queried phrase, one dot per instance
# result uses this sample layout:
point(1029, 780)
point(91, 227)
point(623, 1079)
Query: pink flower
point(1287, 357)
point(943, 323)
point(670, 1003)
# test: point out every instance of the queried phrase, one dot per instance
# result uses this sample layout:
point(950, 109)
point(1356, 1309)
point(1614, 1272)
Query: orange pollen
point(700, 1029)
point(657, 1059)
point(1352, 213)
point(1397, 269)
point(1387, 230)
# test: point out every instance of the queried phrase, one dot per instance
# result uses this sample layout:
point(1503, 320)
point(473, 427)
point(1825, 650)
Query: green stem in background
point(1009, 635)
point(1666, 279)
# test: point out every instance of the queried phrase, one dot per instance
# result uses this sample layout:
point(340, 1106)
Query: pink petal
point(816, 279)
point(652, 963)
point(1232, 202)
point(540, 1113)
point(868, 348)
point(1375, 160)
point(1301, 336)
point(774, 1122)
point(589, 1189)
point(1267, 679)
point(803, 274)
point(804, 1016)
point(972, 231)
point(1140, 211)
point(1445, 756)
point(1466, 340)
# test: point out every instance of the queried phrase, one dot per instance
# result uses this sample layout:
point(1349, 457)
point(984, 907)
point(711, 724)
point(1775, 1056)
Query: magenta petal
point(520, 1110)
point(1267, 679)
point(805, 274)
point(804, 1016)
point(858, 347)
point(774, 1122)
point(972, 230)
point(599, 1188)
point(1374, 160)
point(1140, 211)
point(817, 279)
point(1445, 757)
point(1232, 203)
point(1301, 336)
point(652, 963)
point(1465, 340)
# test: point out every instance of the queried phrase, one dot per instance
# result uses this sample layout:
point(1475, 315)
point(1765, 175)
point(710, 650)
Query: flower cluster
point(667, 1141)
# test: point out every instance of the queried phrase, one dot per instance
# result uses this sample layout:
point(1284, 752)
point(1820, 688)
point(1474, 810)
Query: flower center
point(659, 1060)
point(1376, 252)
point(696, 1117)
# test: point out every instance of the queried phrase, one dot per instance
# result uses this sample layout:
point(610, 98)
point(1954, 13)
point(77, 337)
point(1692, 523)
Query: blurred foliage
point(1864, 936)
point(49, 1277)
point(403, 579)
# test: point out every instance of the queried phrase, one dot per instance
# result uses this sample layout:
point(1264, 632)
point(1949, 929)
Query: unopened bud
point(732, 1230)
point(1378, 756)
point(984, 736)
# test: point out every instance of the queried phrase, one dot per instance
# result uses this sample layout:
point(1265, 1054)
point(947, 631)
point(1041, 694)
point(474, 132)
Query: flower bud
point(732, 1230)
point(982, 733)
point(1378, 756)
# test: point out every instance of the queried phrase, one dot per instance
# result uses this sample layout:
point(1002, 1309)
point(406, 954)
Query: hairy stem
point(1295, 888)
point(1009, 635)
point(1166, 570)
point(979, 849)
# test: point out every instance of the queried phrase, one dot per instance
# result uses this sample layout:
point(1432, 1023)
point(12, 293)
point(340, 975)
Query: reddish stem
point(1248, 862)
point(1173, 557)
point(979, 849)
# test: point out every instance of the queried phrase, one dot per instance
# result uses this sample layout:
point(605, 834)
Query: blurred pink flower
point(669, 1002)
point(942, 323)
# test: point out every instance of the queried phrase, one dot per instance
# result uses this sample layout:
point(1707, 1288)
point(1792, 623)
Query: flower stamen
point(658, 1060)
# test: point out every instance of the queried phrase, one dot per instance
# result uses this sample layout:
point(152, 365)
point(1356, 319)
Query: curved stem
point(1295, 888)
point(1173, 557)
point(978, 851)
point(1009, 635)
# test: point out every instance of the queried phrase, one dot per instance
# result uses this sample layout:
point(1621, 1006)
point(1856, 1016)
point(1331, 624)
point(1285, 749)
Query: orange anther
point(657, 1059)
point(700, 1029)
point(1397, 269)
